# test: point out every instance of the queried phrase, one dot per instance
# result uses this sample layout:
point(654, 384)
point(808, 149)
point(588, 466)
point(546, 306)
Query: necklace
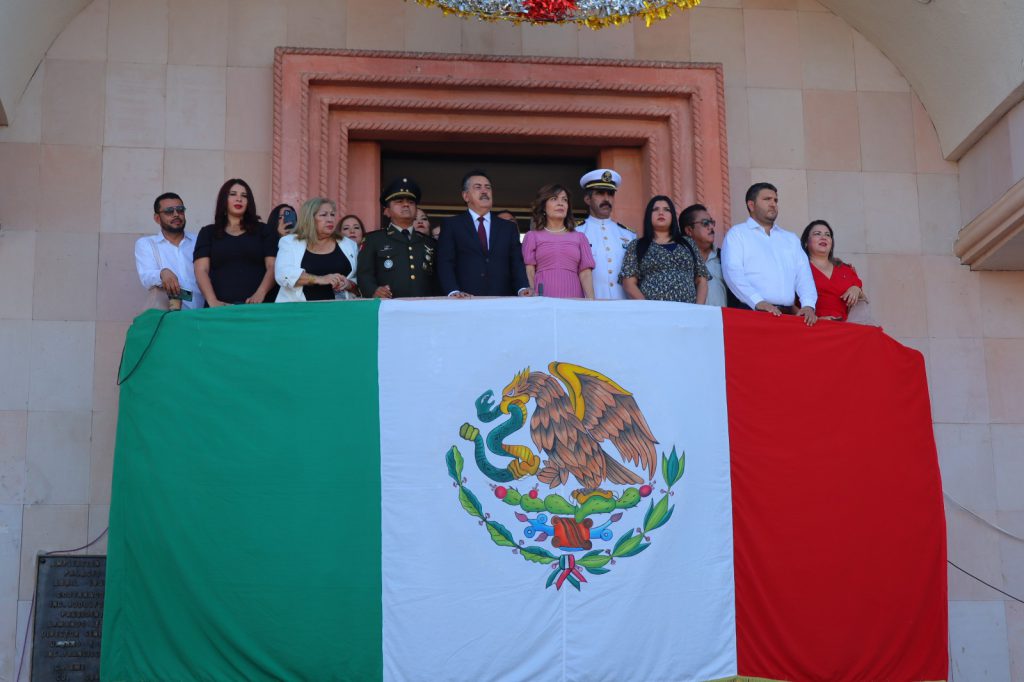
point(548, 229)
point(321, 246)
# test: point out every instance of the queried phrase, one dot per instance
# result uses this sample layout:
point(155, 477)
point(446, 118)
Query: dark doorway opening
point(516, 171)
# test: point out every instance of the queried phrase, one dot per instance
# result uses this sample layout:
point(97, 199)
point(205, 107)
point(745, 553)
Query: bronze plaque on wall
point(68, 618)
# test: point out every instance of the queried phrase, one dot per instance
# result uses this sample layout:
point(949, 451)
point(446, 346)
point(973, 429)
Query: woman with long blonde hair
point(312, 263)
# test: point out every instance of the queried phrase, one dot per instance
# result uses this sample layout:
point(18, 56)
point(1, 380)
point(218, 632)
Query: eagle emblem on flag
point(591, 436)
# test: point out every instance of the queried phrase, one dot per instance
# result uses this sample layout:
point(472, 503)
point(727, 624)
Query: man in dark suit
point(479, 254)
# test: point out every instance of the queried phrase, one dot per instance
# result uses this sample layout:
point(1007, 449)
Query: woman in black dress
point(234, 257)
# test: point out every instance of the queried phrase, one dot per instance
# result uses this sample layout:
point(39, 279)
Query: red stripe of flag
point(840, 537)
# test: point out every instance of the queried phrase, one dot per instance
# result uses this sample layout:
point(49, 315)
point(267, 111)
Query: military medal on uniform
point(388, 263)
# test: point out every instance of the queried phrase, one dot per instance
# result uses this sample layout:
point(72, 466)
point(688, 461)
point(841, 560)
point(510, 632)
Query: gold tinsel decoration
point(594, 14)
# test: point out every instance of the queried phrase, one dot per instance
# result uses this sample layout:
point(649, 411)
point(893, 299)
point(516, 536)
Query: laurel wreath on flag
point(565, 567)
point(594, 14)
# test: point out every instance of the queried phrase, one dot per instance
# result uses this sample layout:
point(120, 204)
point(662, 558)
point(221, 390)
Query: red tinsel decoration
point(549, 10)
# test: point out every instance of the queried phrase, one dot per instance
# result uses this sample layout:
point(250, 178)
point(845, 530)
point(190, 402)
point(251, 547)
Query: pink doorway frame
point(661, 124)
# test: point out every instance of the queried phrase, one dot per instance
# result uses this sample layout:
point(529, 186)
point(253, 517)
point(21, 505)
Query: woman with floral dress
point(663, 265)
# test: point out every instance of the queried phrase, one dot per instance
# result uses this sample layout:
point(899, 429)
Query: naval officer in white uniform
point(608, 239)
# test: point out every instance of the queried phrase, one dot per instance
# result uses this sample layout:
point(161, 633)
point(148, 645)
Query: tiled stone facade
point(140, 96)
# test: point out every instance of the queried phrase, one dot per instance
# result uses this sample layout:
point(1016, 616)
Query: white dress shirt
point(608, 242)
point(766, 267)
point(716, 285)
point(154, 253)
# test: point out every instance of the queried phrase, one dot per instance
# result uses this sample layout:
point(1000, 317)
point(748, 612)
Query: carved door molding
point(333, 107)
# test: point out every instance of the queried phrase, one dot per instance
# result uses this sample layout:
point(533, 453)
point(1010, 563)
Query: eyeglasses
point(171, 210)
point(707, 222)
point(817, 233)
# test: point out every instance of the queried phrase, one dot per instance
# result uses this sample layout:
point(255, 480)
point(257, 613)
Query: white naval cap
point(602, 178)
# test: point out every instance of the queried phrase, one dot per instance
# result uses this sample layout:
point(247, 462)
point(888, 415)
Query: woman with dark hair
point(663, 265)
point(558, 259)
point(839, 286)
point(234, 257)
point(282, 222)
point(282, 219)
point(422, 222)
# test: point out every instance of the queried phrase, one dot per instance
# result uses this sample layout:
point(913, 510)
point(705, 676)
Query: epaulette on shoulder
point(580, 221)
point(625, 228)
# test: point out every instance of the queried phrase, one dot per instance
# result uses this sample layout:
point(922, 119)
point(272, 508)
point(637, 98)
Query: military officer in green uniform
point(397, 261)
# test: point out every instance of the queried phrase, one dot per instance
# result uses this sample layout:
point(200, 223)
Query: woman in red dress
point(839, 286)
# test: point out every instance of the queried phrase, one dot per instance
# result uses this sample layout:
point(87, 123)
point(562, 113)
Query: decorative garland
point(594, 14)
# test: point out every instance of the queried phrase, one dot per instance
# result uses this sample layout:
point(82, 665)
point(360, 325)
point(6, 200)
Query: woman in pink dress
point(558, 259)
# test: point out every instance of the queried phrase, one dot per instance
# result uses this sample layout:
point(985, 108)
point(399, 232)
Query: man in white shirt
point(164, 261)
point(608, 239)
point(698, 225)
point(763, 264)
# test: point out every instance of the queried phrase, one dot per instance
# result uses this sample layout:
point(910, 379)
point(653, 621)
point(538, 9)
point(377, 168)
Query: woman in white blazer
point(312, 264)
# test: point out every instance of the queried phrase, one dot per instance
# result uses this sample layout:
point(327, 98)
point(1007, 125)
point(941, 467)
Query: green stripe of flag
point(245, 554)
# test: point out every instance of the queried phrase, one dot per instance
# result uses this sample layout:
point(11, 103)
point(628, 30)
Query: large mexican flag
point(521, 490)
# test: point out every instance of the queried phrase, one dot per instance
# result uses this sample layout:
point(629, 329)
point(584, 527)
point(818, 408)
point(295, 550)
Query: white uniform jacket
point(288, 266)
point(608, 243)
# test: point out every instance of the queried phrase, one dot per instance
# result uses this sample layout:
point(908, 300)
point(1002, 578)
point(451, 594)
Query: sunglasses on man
point(171, 210)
